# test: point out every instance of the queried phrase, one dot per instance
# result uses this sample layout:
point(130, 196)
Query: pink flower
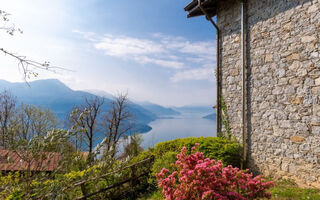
point(202, 178)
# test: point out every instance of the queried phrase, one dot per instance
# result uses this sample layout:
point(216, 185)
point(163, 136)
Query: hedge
point(228, 151)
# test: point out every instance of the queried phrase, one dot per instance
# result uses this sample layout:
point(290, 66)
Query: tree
point(133, 148)
point(34, 121)
point(85, 122)
point(117, 122)
point(37, 154)
point(7, 113)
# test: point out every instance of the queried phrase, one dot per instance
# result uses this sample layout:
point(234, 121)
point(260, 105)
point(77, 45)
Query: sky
point(146, 48)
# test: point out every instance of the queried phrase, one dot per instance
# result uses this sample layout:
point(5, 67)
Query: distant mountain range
point(204, 110)
point(59, 98)
point(160, 111)
point(212, 116)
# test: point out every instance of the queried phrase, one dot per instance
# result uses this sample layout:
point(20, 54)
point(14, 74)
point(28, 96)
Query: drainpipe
point(219, 124)
point(244, 80)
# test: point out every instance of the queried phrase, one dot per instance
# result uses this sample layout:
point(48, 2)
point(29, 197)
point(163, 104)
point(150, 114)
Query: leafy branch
point(7, 26)
point(27, 66)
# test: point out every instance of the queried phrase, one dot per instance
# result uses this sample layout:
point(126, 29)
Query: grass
point(283, 190)
point(287, 190)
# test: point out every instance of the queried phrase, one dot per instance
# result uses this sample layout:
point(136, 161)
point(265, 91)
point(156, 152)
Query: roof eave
point(194, 10)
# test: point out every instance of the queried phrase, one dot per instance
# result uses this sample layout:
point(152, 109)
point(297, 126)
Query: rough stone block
point(314, 55)
point(313, 8)
point(288, 26)
point(317, 81)
point(277, 90)
point(277, 152)
point(306, 39)
point(316, 90)
point(304, 147)
point(285, 166)
point(237, 39)
point(234, 72)
point(302, 72)
point(285, 124)
point(316, 110)
point(297, 139)
point(297, 100)
point(292, 57)
point(292, 168)
point(296, 156)
point(268, 58)
point(316, 130)
point(295, 81)
point(289, 90)
point(277, 131)
point(295, 65)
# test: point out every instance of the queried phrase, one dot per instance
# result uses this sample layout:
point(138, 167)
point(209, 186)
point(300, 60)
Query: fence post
point(133, 181)
point(83, 190)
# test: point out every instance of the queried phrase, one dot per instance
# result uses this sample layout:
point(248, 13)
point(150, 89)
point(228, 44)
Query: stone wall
point(283, 84)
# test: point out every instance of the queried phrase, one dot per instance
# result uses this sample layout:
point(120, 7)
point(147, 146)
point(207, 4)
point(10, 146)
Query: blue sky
point(147, 48)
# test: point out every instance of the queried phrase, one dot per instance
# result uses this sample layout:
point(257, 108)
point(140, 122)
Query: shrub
point(165, 162)
point(228, 151)
point(198, 178)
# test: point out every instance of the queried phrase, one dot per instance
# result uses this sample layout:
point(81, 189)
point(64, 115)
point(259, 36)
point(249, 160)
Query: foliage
point(58, 186)
point(225, 121)
point(133, 148)
point(165, 162)
point(156, 195)
point(228, 151)
point(198, 178)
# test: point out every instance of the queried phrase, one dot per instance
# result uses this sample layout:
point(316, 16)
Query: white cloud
point(127, 46)
point(190, 60)
point(160, 62)
point(194, 74)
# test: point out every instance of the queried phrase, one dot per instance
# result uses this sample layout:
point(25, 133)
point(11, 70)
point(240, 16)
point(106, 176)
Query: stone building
point(269, 77)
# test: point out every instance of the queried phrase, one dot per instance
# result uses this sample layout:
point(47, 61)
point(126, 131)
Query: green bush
point(164, 162)
point(228, 151)
point(164, 153)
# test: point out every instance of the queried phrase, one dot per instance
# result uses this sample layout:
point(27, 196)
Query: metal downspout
point(244, 81)
point(219, 124)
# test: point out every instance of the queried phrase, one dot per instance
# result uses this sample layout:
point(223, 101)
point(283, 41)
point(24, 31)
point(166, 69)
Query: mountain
point(141, 113)
point(195, 109)
point(212, 116)
point(158, 110)
point(59, 98)
point(101, 93)
point(50, 93)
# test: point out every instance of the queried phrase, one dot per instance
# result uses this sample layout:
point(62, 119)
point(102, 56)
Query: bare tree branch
point(27, 66)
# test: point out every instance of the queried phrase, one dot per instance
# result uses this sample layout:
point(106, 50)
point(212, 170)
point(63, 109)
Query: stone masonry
point(283, 46)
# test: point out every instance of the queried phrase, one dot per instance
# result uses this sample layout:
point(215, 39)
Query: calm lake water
point(186, 125)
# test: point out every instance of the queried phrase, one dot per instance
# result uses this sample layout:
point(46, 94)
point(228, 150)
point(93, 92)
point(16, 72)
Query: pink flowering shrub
point(198, 178)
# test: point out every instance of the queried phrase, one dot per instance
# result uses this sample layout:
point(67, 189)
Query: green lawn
point(289, 190)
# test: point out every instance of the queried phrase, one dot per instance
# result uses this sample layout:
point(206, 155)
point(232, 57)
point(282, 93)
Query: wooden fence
point(132, 180)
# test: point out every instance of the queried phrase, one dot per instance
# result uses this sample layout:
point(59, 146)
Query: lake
point(185, 125)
